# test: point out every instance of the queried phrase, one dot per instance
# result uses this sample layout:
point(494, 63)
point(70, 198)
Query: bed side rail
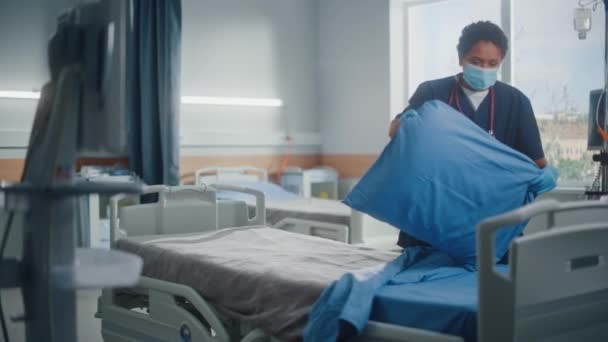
point(163, 293)
point(487, 228)
point(162, 318)
point(497, 313)
point(178, 204)
point(114, 208)
point(216, 173)
point(260, 202)
point(331, 231)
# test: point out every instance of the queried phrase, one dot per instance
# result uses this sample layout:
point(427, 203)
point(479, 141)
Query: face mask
point(479, 78)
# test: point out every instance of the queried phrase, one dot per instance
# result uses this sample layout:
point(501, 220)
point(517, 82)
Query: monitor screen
point(85, 101)
point(103, 27)
point(596, 115)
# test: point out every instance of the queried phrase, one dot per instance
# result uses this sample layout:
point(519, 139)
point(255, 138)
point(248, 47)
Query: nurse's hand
point(394, 127)
point(542, 162)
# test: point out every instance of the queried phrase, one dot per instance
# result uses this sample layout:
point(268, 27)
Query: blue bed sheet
point(446, 305)
point(272, 192)
point(441, 175)
point(423, 288)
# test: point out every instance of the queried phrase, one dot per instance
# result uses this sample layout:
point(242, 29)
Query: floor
point(89, 328)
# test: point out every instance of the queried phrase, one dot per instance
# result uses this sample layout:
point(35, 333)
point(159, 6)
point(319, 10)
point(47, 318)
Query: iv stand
point(52, 269)
point(602, 157)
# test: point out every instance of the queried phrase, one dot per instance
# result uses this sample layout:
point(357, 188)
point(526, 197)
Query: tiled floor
point(89, 328)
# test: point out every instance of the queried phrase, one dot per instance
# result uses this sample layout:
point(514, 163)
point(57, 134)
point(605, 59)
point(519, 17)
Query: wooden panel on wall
point(189, 164)
point(349, 165)
point(11, 169)
point(122, 162)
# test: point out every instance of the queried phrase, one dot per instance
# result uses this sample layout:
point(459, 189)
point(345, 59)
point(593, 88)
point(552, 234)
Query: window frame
point(508, 67)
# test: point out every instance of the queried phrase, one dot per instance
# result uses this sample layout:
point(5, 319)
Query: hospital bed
point(561, 296)
point(557, 285)
point(331, 219)
point(162, 309)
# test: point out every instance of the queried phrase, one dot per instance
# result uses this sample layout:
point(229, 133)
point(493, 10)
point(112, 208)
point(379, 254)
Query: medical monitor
point(97, 34)
point(594, 139)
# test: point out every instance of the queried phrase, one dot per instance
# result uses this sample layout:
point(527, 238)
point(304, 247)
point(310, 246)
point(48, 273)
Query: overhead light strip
point(26, 95)
point(232, 101)
point(198, 100)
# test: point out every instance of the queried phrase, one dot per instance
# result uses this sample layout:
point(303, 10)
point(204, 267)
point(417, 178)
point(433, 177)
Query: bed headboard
point(182, 209)
point(228, 175)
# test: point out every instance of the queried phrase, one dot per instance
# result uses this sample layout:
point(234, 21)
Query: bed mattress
point(330, 211)
point(282, 204)
point(259, 275)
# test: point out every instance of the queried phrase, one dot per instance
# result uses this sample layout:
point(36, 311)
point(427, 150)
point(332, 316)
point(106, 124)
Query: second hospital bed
point(206, 287)
point(326, 218)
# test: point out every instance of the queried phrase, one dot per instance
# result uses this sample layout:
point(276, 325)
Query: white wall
point(332, 62)
point(398, 56)
point(25, 27)
point(354, 91)
point(251, 49)
point(230, 48)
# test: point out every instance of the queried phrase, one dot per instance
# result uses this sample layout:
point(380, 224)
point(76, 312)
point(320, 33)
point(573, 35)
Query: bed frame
point(557, 287)
point(362, 230)
point(564, 300)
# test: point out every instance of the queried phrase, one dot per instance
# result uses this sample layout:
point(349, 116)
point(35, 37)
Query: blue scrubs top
point(514, 121)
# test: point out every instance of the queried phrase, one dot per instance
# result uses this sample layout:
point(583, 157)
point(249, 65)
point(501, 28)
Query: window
point(557, 71)
point(549, 64)
point(432, 33)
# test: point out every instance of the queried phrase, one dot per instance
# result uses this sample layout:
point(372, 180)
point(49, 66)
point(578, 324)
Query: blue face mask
point(479, 78)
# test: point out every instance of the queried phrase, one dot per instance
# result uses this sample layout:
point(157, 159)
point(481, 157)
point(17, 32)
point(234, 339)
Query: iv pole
point(602, 156)
point(52, 268)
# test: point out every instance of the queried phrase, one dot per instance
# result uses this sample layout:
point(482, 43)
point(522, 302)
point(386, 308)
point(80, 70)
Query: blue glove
point(546, 181)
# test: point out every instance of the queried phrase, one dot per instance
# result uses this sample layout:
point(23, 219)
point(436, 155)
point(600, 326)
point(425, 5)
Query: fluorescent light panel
point(200, 100)
point(232, 101)
point(11, 94)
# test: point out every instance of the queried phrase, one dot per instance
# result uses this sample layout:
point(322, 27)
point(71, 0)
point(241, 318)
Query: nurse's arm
point(394, 126)
point(422, 94)
point(542, 162)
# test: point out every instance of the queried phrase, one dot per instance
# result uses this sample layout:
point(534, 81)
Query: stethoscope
point(455, 98)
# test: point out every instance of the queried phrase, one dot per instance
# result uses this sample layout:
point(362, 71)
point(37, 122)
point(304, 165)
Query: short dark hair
point(482, 31)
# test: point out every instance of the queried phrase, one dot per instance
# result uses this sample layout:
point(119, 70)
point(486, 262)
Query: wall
point(230, 48)
point(25, 26)
point(354, 69)
point(336, 64)
point(361, 64)
point(250, 49)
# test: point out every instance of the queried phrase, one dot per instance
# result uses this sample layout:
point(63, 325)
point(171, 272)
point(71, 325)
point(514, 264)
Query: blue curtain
point(154, 94)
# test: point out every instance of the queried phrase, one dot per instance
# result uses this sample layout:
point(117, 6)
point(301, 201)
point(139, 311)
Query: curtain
point(154, 94)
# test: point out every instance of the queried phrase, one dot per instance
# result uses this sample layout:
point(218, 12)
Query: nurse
point(500, 109)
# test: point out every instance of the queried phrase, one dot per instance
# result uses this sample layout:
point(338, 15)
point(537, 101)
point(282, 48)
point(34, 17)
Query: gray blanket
point(259, 275)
